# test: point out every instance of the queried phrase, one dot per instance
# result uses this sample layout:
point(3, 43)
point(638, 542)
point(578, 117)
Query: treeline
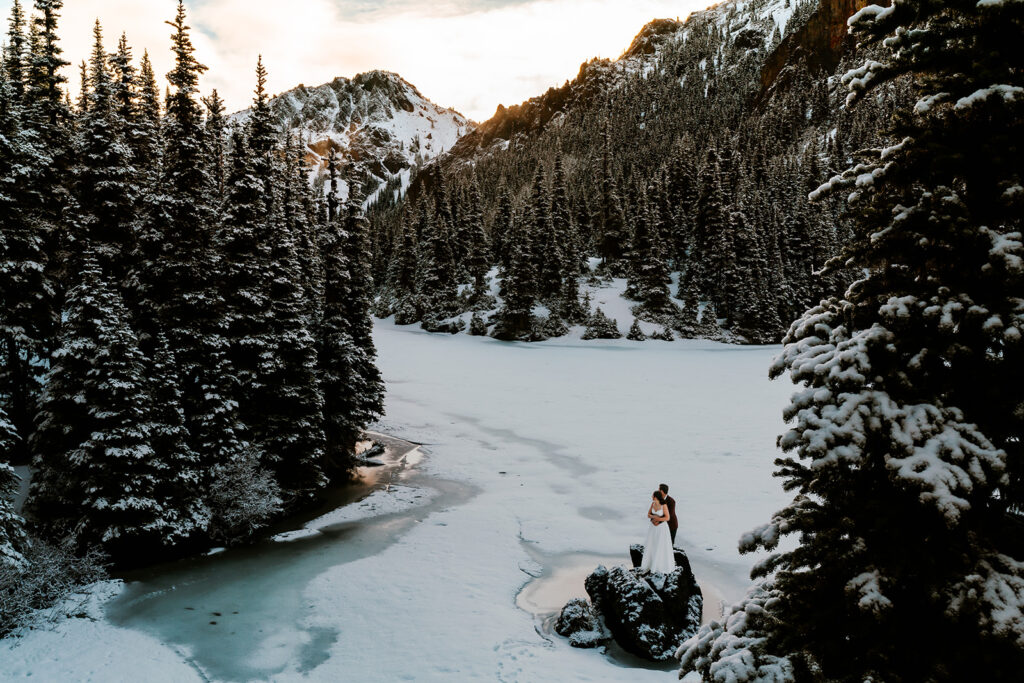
point(671, 160)
point(185, 326)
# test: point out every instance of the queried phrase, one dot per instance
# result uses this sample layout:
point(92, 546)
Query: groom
point(673, 521)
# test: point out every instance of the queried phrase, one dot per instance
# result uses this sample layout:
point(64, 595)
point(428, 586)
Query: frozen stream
point(240, 614)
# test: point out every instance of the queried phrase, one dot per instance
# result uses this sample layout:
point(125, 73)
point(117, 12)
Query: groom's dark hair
point(664, 488)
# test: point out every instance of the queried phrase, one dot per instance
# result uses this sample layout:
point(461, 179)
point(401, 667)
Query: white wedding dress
point(658, 554)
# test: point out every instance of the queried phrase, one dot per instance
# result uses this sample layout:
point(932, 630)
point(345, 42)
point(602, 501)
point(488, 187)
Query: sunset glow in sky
point(467, 54)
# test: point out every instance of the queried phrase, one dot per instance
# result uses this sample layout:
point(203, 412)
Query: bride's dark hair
point(660, 496)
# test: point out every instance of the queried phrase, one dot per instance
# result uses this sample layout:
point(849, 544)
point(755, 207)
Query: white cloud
point(467, 54)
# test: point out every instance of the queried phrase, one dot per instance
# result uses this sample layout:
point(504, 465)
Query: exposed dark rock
point(580, 625)
point(819, 43)
point(648, 614)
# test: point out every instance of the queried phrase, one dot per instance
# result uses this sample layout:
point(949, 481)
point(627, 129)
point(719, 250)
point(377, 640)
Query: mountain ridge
point(379, 124)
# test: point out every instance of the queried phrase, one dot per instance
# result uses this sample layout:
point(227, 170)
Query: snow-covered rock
point(648, 614)
point(581, 625)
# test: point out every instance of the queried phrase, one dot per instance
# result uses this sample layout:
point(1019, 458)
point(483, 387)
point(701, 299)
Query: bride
point(658, 554)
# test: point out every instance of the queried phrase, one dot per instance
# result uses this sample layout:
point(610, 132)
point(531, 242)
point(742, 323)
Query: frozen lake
point(535, 455)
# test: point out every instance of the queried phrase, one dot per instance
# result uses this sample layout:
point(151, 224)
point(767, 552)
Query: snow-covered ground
point(556, 447)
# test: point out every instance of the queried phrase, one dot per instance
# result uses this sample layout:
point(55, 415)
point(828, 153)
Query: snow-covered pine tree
point(16, 54)
point(146, 141)
point(478, 256)
point(477, 325)
point(289, 408)
point(49, 116)
point(338, 355)
point(245, 277)
point(518, 287)
point(299, 202)
point(97, 479)
point(179, 275)
point(752, 312)
point(635, 333)
point(502, 229)
point(435, 280)
point(181, 479)
point(906, 438)
point(401, 281)
point(546, 244)
point(648, 278)
point(613, 236)
point(600, 326)
point(712, 246)
point(573, 257)
point(105, 184)
point(27, 291)
point(264, 135)
point(366, 382)
point(13, 540)
point(217, 131)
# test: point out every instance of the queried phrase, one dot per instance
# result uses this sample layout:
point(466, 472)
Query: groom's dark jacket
point(673, 521)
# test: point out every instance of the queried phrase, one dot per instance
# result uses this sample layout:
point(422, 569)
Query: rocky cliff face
point(377, 122)
point(819, 43)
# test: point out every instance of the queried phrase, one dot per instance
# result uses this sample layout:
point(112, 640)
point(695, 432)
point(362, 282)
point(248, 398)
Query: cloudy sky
point(468, 54)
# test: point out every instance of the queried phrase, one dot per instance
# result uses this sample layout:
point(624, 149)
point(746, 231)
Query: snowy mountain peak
point(376, 121)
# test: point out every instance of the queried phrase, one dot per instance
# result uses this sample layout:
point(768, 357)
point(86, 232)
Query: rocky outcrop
point(648, 614)
point(818, 44)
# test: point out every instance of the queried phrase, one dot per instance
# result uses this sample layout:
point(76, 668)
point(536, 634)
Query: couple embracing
point(661, 536)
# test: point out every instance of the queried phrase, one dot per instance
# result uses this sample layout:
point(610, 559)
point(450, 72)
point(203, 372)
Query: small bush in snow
point(37, 591)
point(244, 500)
point(635, 333)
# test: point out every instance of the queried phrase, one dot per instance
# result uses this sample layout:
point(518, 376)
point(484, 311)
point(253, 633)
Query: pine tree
point(366, 382)
point(179, 274)
point(16, 54)
point(217, 131)
point(648, 280)
point(147, 145)
point(477, 257)
point(299, 204)
point(13, 541)
point(289, 420)
point(27, 292)
point(436, 277)
point(50, 118)
point(600, 326)
point(401, 281)
point(635, 333)
point(105, 189)
point(613, 237)
point(502, 229)
point(338, 356)
point(546, 245)
point(244, 275)
point(573, 261)
point(518, 293)
point(97, 478)
point(905, 439)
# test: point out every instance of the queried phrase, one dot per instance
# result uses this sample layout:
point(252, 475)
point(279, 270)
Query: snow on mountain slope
point(377, 121)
